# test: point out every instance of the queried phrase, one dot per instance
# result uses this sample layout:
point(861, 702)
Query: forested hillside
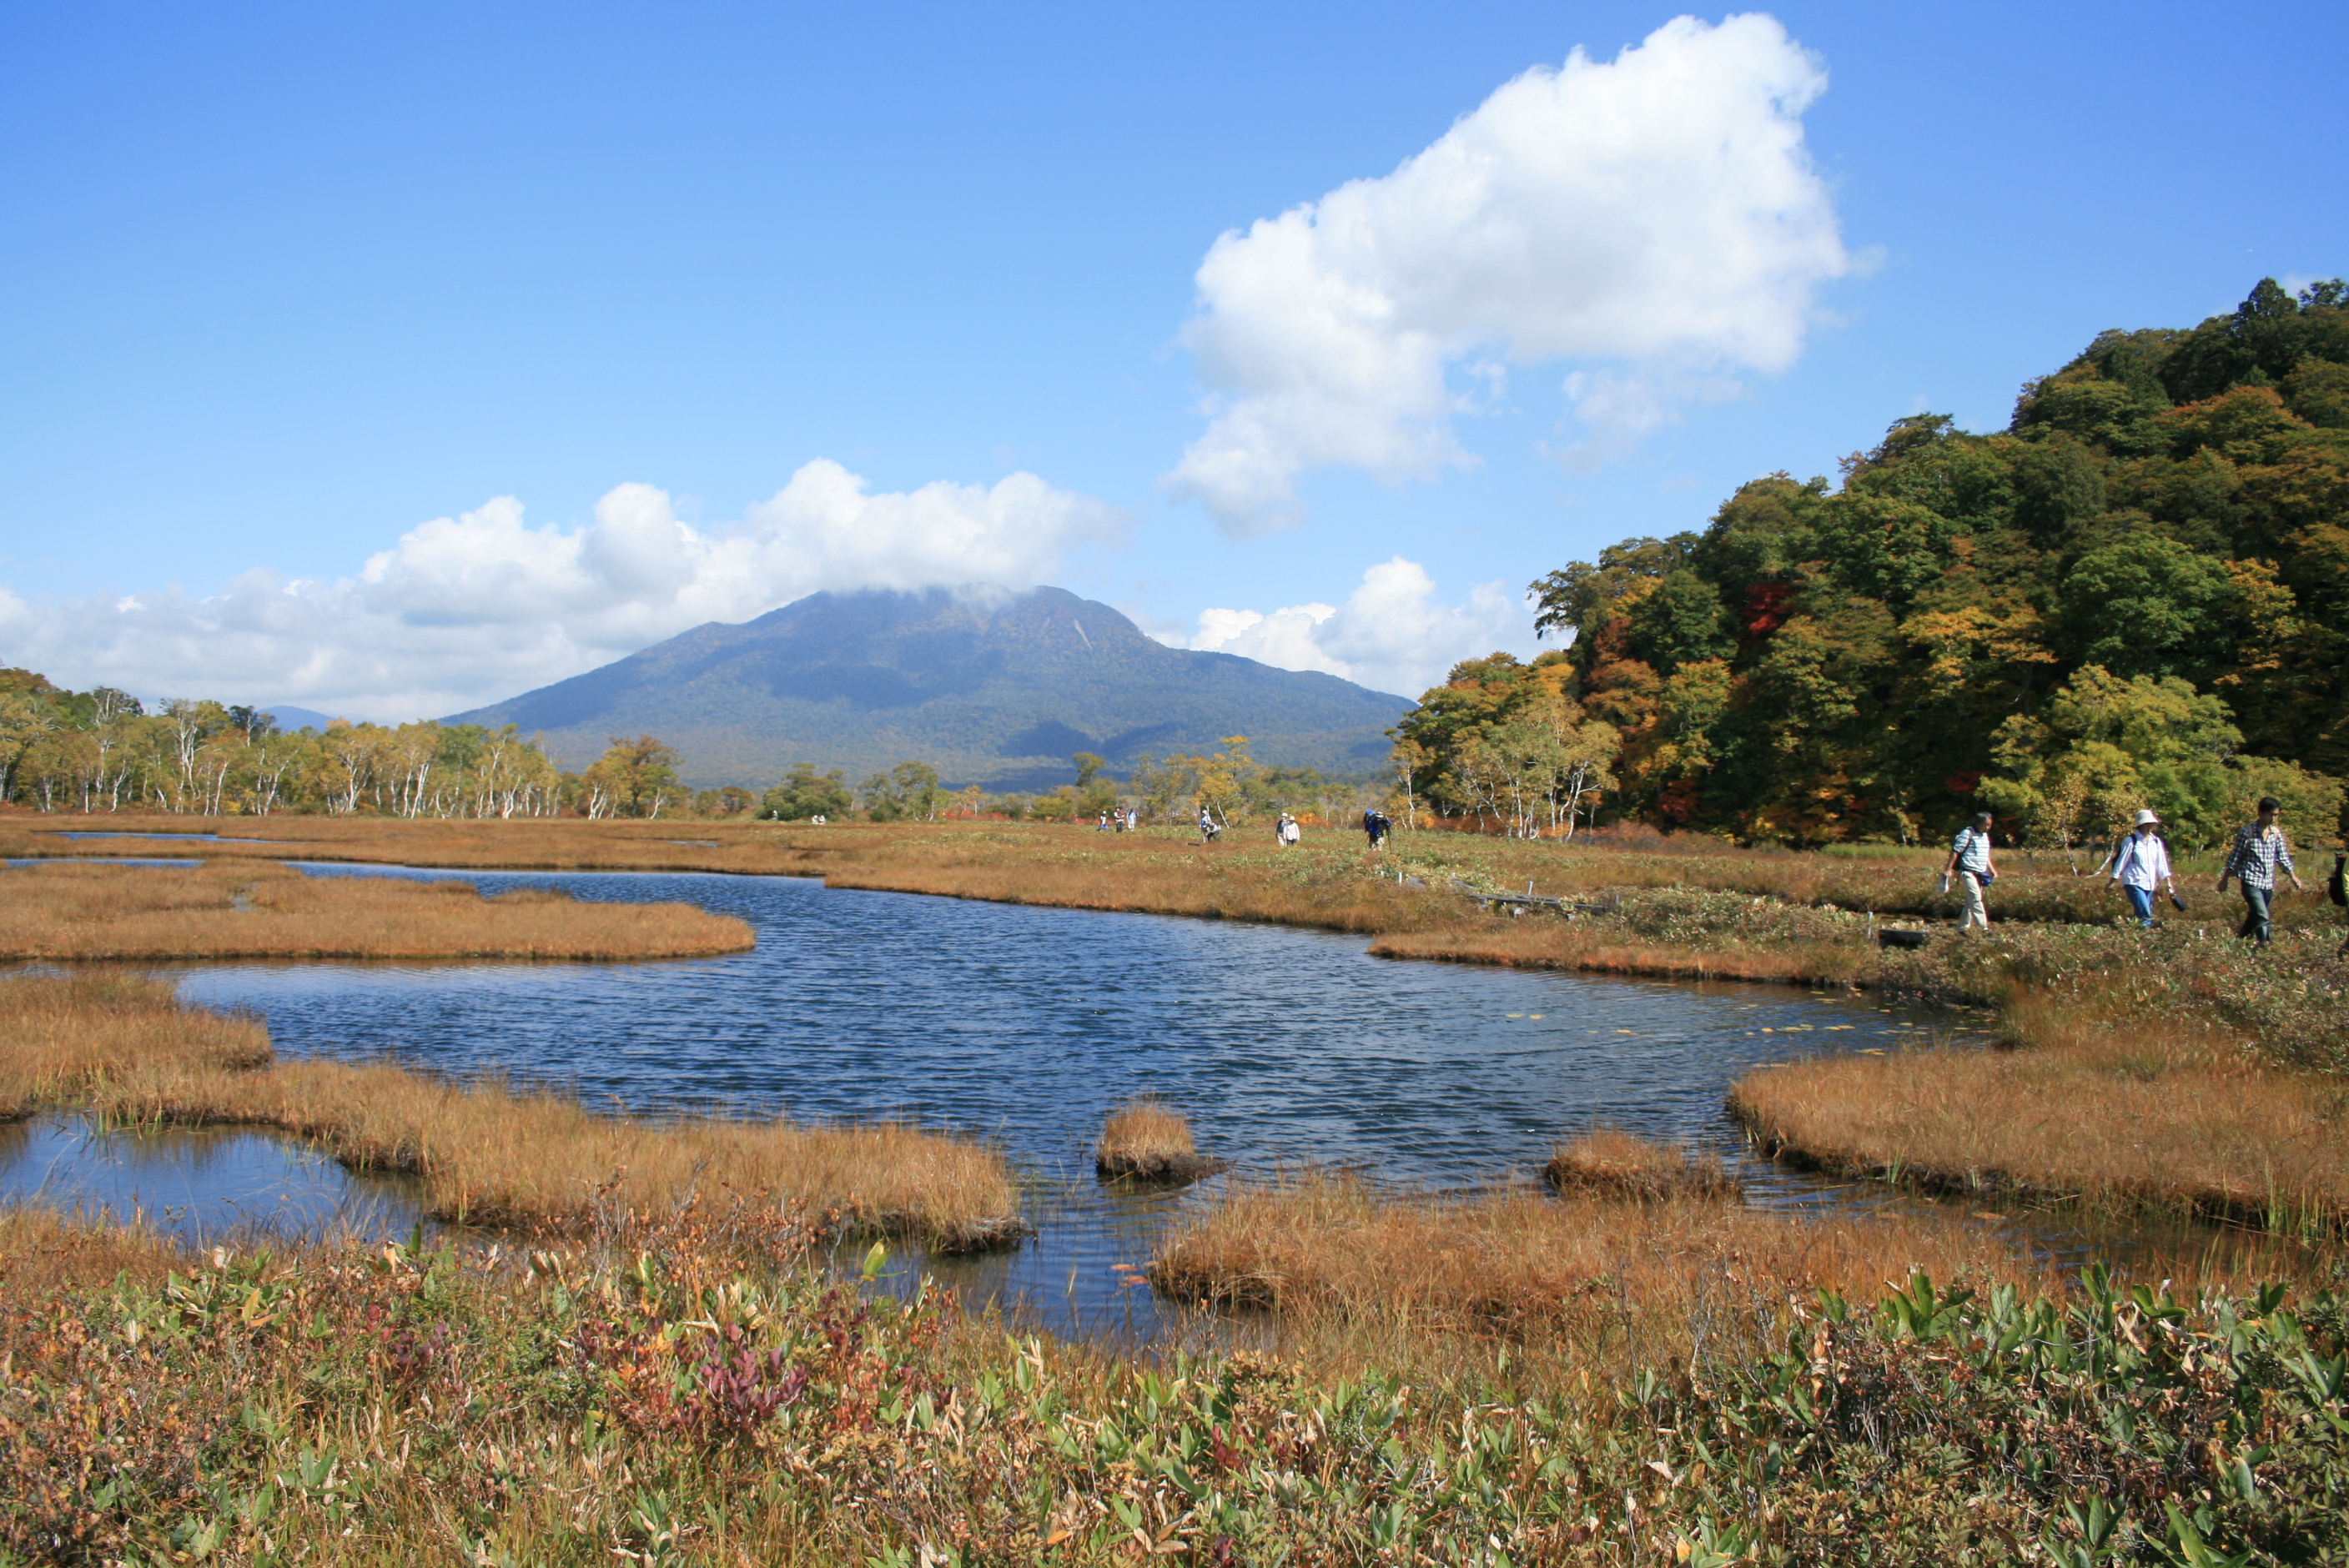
point(2137, 594)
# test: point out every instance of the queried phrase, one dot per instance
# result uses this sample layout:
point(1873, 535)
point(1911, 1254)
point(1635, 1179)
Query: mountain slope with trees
point(989, 687)
point(2135, 594)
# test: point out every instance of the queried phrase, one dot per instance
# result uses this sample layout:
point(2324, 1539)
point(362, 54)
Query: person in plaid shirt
point(2258, 850)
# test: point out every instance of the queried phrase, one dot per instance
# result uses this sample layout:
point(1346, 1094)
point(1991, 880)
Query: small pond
point(203, 1185)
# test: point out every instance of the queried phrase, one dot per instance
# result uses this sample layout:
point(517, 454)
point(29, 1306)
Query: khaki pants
point(1975, 914)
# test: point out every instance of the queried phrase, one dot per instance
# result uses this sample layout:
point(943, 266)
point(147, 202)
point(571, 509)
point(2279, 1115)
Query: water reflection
point(201, 1185)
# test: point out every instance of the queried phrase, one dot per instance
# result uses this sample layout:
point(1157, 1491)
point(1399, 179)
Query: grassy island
point(61, 911)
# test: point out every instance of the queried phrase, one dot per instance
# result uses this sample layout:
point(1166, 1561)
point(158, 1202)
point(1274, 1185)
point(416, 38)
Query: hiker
point(2140, 864)
point(2260, 848)
point(1280, 831)
point(1292, 831)
point(1207, 828)
point(2336, 888)
point(1970, 862)
point(1375, 826)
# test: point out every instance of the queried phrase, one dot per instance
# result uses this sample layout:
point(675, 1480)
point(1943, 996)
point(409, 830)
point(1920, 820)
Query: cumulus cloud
point(465, 610)
point(1391, 634)
point(1657, 212)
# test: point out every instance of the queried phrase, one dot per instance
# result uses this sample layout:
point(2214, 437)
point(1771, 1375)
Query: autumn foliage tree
point(1880, 658)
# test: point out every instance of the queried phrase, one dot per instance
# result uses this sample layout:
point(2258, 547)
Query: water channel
point(1026, 1026)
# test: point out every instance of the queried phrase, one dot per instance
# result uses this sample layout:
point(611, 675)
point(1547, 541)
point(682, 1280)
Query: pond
point(1027, 1025)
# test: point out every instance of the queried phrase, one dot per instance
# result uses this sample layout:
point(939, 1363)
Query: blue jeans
point(2258, 924)
point(2141, 899)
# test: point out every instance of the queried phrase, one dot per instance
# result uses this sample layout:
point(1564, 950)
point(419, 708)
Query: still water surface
point(1027, 1026)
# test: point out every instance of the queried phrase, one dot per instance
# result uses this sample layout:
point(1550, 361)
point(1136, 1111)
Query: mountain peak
point(992, 686)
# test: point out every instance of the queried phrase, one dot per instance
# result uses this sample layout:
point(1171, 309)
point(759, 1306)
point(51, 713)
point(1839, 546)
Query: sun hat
point(2144, 817)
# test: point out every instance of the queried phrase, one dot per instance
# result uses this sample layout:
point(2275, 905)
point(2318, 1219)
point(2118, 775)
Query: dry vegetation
point(1588, 1282)
point(114, 912)
point(2144, 1111)
point(1607, 1161)
point(1582, 1268)
point(42, 1250)
point(1150, 1142)
point(485, 1154)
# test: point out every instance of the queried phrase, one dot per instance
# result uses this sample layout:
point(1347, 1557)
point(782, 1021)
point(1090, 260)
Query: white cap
point(2144, 817)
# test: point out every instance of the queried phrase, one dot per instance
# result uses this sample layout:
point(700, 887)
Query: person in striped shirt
point(2258, 850)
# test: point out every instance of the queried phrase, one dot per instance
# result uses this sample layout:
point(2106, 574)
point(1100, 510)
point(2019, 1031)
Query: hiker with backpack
point(2260, 848)
point(2141, 864)
point(1970, 862)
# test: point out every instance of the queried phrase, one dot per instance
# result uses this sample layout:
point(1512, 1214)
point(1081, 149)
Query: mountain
point(291, 718)
point(991, 688)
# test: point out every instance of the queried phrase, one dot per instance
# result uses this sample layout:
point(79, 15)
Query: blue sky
point(285, 285)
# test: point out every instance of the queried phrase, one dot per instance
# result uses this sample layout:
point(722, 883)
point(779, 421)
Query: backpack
point(2338, 887)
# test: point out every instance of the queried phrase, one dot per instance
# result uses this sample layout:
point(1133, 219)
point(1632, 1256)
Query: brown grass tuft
point(122, 913)
point(486, 1154)
point(1607, 1161)
point(1149, 1141)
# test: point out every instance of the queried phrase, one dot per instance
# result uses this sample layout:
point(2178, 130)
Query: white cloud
point(1391, 634)
point(466, 610)
point(1659, 212)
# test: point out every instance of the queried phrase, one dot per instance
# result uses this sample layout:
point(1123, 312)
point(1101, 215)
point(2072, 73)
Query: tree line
point(2136, 595)
point(102, 750)
point(1229, 783)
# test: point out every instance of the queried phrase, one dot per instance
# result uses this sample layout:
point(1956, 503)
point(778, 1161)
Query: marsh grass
point(120, 913)
point(2125, 1112)
point(1149, 1141)
point(1576, 1269)
point(485, 1153)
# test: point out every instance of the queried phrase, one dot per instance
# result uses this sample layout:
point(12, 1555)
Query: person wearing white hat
point(2142, 864)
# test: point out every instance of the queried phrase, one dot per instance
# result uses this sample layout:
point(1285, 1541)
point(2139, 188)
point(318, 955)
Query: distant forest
point(2137, 594)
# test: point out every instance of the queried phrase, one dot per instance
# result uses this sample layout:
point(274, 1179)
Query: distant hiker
point(2336, 888)
point(2141, 864)
point(2260, 848)
point(1208, 827)
point(1374, 827)
point(1280, 831)
point(1291, 831)
point(1970, 862)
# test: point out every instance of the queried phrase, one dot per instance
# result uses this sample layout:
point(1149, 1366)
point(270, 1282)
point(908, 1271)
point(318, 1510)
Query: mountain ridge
point(990, 686)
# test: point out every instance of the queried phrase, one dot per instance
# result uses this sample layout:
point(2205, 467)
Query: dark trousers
point(2258, 924)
